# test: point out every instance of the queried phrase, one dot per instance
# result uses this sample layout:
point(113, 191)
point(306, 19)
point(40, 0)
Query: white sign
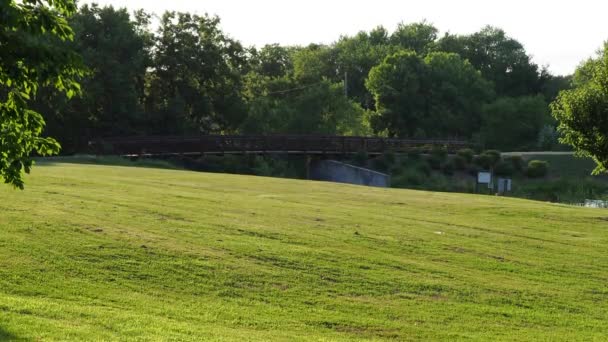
point(484, 178)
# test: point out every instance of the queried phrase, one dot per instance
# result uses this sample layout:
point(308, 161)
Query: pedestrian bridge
point(265, 144)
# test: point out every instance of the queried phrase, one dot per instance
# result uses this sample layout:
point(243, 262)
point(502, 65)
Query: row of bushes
point(464, 160)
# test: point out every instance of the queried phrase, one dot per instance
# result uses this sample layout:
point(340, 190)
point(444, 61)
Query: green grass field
point(90, 252)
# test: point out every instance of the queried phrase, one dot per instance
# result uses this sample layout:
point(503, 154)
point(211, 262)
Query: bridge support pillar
point(308, 163)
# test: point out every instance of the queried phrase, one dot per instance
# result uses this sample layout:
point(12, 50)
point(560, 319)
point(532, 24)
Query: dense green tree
point(501, 59)
point(419, 37)
point(29, 59)
point(553, 85)
point(197, 79)
point(582, 112)
point(273, 60)
point(283, 105)
point(398, 85)
point(514, 123)
point(356, 56)
point(115, 49)
point(314, 63)
point(438, 96)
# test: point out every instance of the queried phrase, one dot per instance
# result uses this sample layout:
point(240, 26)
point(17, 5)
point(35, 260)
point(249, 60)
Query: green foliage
point(582, 112)
point(423, 168)
point(189, 77)
point(414, 154)
point(494, 156)
point(439, 95)
point(487, 159)
point(460, 162)
point(384, 162)
point(548, 139)
point(440, 152)
point(115, 48)
point(513, 123)
point(448, 168)
point(501, 60)
point(273, 60)
point(467, 154)
point(537, 169)
point(196, 84)
point(419, 37)
point(29, 60)
point(280, 105)
point(435, 161)
point(313, 64)
point(356, 56)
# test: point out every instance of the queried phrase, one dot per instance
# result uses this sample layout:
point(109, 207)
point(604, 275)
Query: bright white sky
point(558, 33)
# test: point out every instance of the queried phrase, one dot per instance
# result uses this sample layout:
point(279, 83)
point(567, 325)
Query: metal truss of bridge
point(269, 144)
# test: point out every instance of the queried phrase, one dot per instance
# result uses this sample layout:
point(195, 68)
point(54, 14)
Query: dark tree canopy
point(116, 53)
point(439, 95)
point(501, 59)
point(514, 123)
point(196, 82)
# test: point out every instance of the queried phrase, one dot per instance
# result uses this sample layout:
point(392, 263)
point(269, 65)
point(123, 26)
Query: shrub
point(448, 168)
point(467, 154)
point(459, 162)
point(494, 156)
point(440, 153)
point(424, 168)
point(537, 169)
point(483, 161)
point(435, 162)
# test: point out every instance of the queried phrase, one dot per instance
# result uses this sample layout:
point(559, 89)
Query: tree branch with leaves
point(29, 59)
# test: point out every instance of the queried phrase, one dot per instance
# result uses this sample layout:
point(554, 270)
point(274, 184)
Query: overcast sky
point(558, 33)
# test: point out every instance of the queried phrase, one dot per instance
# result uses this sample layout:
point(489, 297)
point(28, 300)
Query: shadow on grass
point(7, 336)
point(110, 161)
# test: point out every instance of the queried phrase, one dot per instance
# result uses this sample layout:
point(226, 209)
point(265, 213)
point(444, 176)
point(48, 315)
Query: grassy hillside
point(100, 252)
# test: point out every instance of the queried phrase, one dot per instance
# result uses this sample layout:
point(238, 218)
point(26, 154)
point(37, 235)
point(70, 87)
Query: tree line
point(188, 77)
point(79, 73)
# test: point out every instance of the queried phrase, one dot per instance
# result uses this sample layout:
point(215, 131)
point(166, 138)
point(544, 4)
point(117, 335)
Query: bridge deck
point(271, 144)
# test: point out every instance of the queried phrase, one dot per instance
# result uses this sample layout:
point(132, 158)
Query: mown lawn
point(92, 252)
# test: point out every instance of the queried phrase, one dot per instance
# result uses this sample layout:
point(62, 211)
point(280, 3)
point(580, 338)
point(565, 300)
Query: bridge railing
point(236, 144)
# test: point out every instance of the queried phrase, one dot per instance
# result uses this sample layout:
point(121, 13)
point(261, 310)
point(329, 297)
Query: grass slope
point(99, 252)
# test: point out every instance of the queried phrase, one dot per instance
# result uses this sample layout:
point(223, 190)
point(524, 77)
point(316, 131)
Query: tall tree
point(356, 56)
point(501, 59)
point(514, 123)
point(29, 59)
point(419, 37)
point(436, 96)
point(284, 105)
point(115, 50)
point(582, 112)
point(273, 60)
point(197, 79)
